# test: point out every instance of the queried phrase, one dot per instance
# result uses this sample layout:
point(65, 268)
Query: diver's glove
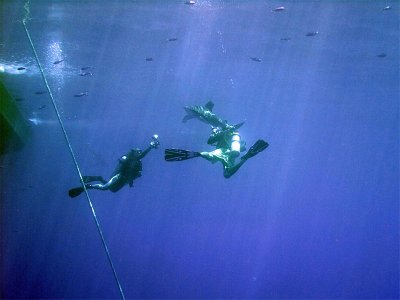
point(155, 142)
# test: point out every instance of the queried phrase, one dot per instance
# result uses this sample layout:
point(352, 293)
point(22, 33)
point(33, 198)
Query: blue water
point(316, 215)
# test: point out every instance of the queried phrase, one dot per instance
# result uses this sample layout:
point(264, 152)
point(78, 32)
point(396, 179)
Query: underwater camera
point(155, 142)
point(235, 144)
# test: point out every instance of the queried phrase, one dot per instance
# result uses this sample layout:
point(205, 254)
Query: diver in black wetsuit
point(224, 137)
point(128, 169)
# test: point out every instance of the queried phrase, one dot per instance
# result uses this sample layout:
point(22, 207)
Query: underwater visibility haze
point(314, 215)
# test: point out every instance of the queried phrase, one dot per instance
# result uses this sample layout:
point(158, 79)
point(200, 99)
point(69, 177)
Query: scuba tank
point(235, 144)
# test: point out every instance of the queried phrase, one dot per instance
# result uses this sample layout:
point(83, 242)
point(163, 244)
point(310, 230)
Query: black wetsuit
point(128, 169)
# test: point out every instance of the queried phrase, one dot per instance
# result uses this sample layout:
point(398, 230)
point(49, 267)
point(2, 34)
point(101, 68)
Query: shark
point(205, 114)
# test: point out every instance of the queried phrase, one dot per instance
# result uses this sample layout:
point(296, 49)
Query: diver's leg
point(114, 184)
point(216, 155)
point(87, 179)
point(96, 186)
point(115, 180)
point(229, 171)
point(208, 156)
point(258, 147)
point(117, 184)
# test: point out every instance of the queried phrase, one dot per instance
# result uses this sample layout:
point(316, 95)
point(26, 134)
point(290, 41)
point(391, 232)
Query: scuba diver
point(128, 169)
point(224, 137)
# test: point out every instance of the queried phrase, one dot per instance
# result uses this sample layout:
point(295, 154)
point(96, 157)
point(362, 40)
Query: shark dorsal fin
point(209, 105)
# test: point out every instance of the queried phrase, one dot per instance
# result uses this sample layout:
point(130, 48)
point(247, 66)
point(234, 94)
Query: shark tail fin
point(237, 126)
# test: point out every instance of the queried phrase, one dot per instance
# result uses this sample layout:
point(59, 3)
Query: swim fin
point(179, 154)
point(75, 192)
point(258, 146)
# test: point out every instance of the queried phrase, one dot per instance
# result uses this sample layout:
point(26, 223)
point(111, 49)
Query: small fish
point(191, 2)
point(86, 74)
point(149, 59)
point(285, 39)
point(381, 55)
point(387, 8)
point(279, 8)
point(42, 106)
point(312, 33)
point(41, 92)
point(21, 68)
point(256, 59)
point(19, 99)
point(172, 39)
point(81, 94)
point(58, 61)
point(85, 68)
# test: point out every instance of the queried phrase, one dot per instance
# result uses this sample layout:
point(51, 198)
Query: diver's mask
point(235, 144)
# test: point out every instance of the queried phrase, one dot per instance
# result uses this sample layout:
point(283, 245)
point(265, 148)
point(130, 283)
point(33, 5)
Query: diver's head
point(135, 152)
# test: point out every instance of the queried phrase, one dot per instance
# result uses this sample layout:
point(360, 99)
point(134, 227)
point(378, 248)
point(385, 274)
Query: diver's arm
point(144, 152)
point(153, 144)
point(219, 134)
